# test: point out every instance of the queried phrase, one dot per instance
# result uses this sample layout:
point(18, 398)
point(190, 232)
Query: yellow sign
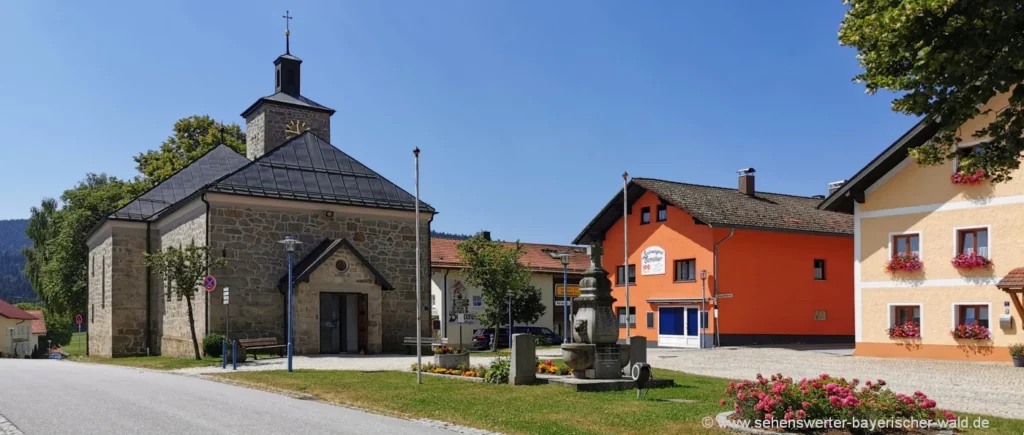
point(574, 290)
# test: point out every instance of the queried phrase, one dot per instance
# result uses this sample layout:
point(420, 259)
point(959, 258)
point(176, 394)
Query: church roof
point(308, 168)
point(218, 162)
point(321, 253)
point(293, 100)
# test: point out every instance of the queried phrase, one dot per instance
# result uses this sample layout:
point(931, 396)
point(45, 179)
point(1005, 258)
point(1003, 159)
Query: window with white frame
point(906, 244)
point(972, 241)
point(478, 301)
point(971, 314)
point(902, 314)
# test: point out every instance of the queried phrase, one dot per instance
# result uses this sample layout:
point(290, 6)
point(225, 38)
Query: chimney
point(486, 235)
point(747, 181)
point(834, 186)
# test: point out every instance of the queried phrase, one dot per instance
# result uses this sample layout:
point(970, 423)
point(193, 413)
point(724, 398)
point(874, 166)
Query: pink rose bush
point(962, 178)
point(971, 261)
point(906, 330)
point(904, 263)
point(971, 332)
point(827, 397)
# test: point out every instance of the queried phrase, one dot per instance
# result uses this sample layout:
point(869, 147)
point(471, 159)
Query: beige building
point(456, 304)
point(355, 279)
point(16, 337)
point(921, 248)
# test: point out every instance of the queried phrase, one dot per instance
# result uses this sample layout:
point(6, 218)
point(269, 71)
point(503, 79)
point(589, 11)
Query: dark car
point(482, 337)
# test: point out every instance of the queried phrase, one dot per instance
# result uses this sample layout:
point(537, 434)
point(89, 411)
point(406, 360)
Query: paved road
point(59, 397)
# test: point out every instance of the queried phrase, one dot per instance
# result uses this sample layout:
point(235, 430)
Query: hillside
point(14, 286)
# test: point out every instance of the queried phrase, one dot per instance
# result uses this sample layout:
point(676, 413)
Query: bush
point(499, 370)
point(826, 397)
point(212, 345)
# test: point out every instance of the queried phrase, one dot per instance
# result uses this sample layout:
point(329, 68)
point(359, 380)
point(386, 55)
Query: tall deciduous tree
point(193, 137)
point(946, 59)
point(496, 270)
point(182, 271)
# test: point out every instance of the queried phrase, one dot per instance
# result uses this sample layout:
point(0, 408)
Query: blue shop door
point(678, 327)
point(692, 322)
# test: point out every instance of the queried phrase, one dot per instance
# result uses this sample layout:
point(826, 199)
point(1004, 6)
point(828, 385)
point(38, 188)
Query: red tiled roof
point(1014, 279)
point(39, 323)
point(445, 255)
point(12, 312)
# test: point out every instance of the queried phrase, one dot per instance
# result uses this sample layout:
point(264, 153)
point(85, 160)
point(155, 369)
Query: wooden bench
point(248, 346)
point(410, 342)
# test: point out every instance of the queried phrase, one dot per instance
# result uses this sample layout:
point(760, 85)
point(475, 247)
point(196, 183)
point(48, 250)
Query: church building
point(354, 272)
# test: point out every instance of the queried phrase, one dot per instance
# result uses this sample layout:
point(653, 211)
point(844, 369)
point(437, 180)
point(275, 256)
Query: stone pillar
point(637, 352)
point(523, 367)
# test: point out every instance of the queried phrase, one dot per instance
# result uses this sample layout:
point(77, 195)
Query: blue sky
point(527, 112)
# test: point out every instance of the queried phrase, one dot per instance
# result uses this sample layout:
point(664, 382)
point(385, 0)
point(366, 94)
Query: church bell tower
point(274, 119)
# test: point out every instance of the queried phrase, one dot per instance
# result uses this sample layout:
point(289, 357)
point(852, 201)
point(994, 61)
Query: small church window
point(341, 265)
point(278, 79)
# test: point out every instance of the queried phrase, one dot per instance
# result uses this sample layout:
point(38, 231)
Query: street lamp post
point(565, 297)
point(289, 243)
point(703, 309)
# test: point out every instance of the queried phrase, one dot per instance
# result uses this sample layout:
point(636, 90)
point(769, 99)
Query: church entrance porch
point(343, 318)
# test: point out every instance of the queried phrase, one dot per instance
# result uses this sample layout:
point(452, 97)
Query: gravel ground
point(983, 388)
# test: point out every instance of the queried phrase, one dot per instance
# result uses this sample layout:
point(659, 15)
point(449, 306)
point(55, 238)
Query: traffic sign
point(227, 291)
point(78, 319)
point(725, 296)
point(209, 283)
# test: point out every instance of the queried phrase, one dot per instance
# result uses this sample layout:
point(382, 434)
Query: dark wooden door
point(330, 323)
point(364, 314)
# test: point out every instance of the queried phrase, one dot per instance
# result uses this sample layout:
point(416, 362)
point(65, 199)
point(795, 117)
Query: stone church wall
point(173, 332)
point(99, 316)
point(265, 127)
point(127, 296)
point(256, 262)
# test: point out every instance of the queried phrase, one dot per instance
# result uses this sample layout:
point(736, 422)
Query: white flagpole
point(419, 304)
point(625, 244)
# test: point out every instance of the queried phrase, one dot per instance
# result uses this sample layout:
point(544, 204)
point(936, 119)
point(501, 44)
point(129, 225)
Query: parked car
point(482, 337)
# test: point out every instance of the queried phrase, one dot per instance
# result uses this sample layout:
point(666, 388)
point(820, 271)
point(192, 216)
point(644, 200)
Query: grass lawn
point(539, 409)
point(150, 362)
point(77, 345)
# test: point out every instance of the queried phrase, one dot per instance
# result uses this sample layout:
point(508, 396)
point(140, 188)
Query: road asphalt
point(61, 397)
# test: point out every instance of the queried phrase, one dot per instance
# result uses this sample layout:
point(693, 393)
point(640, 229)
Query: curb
point(8, 428)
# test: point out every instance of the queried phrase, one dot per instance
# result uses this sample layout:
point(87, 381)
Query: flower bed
point(962, 178)
point(971, 332)
point(464, 370)
point(827, 398)
point(550, 368)
point(904, 263)
point(906, 330)
point(971, 261)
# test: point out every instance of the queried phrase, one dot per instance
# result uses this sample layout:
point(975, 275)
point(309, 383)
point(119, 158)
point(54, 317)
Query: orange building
point(712, 266)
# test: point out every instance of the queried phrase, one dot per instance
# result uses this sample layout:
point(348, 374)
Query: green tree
point(28, 306)
point(193, 136)
point(497, 271)
point(182, 271)
point(945, 59)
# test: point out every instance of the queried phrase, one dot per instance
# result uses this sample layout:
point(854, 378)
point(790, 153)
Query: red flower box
point(906, 330)
point(971, 332)
point(971, 261)
point(962, 178)
point(904, 263)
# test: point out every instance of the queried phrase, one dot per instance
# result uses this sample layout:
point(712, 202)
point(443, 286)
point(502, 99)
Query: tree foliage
point(193, 137)
point(496, 270)
point(182, 271)
point(946, 59)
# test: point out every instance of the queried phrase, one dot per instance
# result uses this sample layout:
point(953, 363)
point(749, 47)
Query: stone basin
point(579, 357)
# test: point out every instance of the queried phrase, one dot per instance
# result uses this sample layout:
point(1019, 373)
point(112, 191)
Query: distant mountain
point(14, 286)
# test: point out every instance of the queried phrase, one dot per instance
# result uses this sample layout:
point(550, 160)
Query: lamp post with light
point(289, 243)
point(703, 308)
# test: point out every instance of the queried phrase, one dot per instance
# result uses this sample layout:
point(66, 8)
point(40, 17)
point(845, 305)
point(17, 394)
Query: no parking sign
point(209, 283)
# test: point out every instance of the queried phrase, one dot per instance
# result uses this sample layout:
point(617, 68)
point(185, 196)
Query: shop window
point(620, 276)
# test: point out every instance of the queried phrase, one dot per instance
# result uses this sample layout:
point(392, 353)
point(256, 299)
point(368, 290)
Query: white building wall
point(456, 280)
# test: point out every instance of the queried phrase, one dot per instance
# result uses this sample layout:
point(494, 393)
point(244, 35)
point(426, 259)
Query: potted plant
point(449, 357)
point(964, 178)
point(905, 330)
point(904, 263)
point(1017, 353)
point(971, 260)
point(971, 332)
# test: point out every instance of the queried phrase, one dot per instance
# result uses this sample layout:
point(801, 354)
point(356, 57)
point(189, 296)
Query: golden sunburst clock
point(294, 128)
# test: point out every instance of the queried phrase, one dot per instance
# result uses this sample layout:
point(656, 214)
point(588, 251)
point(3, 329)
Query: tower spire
point(287, 32)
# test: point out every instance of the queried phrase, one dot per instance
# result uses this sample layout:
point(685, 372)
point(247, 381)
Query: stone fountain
point(595, 352)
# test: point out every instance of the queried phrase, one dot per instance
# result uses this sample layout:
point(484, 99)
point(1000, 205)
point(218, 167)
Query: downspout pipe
point(207, 235)
point(714, 290)
point(149, 294)
point(443, 315)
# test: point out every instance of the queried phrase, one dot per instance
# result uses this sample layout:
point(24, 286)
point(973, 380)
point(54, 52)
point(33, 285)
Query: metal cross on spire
point(287, 32)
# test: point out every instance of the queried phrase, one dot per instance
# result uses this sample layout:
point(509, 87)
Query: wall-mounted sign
point(574, 290)
point(652, 261)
